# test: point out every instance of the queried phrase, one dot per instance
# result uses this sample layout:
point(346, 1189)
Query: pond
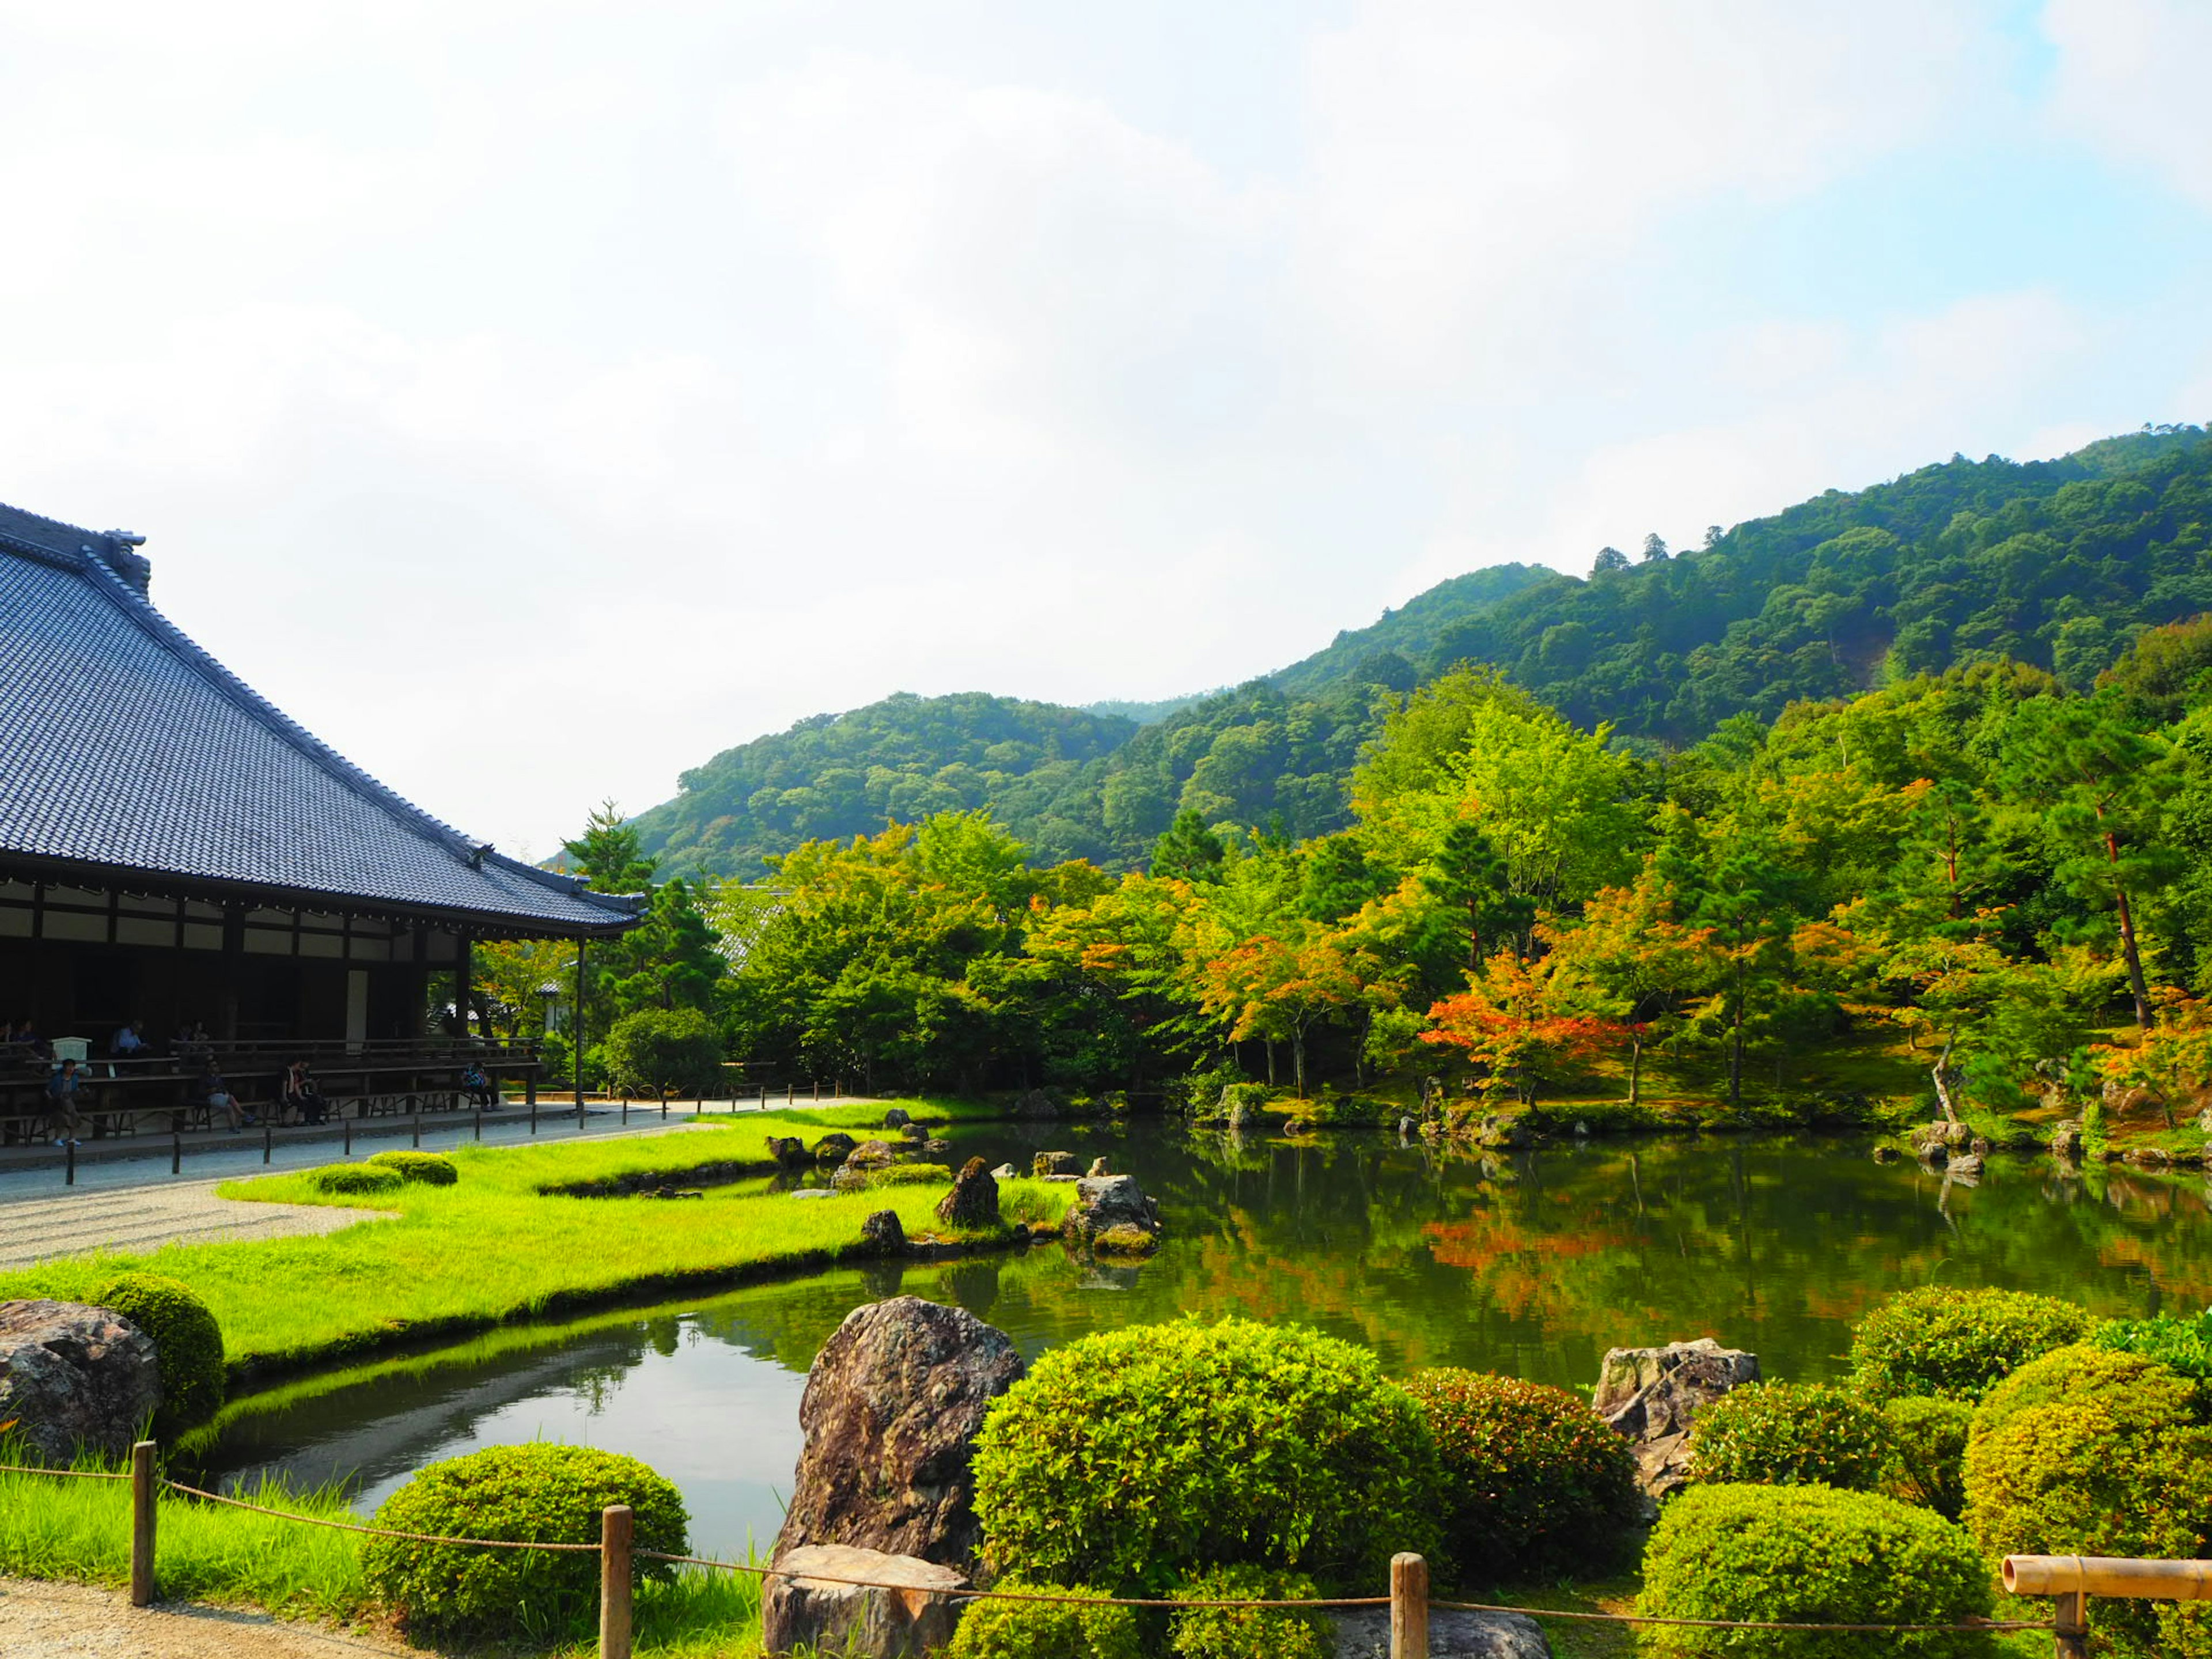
point(1532, 1263)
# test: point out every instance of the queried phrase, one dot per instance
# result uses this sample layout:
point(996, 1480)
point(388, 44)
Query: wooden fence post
point(614, 1581)
point(142, 1490)
point(1409, 1608)
point(2072, 1618)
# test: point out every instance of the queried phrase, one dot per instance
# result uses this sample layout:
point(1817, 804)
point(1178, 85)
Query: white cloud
point(2130, 80)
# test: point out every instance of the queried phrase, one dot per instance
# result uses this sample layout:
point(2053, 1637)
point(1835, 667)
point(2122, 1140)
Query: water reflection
point(1530, 1263)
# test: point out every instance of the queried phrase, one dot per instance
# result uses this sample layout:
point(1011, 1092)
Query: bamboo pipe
point(2108, 1575)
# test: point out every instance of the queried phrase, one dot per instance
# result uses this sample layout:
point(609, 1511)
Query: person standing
point(62, 1116)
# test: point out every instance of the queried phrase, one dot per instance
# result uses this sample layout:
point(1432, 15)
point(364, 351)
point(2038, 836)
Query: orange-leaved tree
point(1522, 1024)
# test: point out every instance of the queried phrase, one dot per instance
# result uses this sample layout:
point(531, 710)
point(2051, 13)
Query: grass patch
point(494, 1248)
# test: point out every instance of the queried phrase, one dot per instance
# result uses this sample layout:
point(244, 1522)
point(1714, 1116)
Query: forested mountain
point(2058, 564)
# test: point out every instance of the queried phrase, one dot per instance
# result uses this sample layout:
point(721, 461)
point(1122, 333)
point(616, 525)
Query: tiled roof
point(122, 744)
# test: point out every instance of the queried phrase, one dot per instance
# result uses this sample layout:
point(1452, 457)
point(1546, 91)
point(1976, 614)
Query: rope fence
point(2071, 1580)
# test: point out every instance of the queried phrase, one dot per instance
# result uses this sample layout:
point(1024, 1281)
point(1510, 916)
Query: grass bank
point(79, 1531)
point(495, 1247)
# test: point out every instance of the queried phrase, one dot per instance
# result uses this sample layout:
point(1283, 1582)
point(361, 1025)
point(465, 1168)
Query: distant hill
point(2055, 563)
point(1145, 713)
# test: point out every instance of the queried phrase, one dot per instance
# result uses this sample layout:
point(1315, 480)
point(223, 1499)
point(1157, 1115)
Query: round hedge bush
point(1815, 1554)
point(1535, 1483)
point(1931, 1450)
point(2088, 1451)
point(1249, 1632)
point(356, 1180)
point(1958, 1344)
point(1791, 1434)
point(1134, 1458)
point(431, 1168)
point(187, 1345)
point(1047, 1630)
point(537, 1492)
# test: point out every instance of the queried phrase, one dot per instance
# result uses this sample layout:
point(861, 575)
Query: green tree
point(609, 855)
point(664, 1050)
point(671, 960)
point(1189, 850)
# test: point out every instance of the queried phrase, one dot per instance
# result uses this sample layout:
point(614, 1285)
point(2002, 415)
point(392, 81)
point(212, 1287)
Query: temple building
point(174, 850)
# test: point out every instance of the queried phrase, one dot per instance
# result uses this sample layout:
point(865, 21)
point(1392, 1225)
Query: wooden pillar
point(2072, 1618)
point(464, 973)
point(144, 1487)
point(234, 971)
point(1409, 1608)
point(418, 1013)
point(616, 1530)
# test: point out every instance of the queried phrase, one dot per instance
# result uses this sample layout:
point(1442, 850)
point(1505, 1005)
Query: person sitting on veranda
point(62, 1118)
point(129, 1043)
point(477, 1086)
point(300, 1097)
point(215, 1094)
point(34, 1049)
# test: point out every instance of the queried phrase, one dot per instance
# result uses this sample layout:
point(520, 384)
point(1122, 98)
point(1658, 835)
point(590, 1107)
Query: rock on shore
point(74, 1377)
point(1364, 1633)
point(826, 1615)
point(1650, 1395)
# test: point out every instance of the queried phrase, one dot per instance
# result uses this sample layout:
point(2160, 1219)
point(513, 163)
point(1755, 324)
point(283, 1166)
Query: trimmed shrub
point(1958, 1344)
point(1047, 1630)
point(1132, 1458)
point(429, 1167)
point(1791, 1434)
point(1249, 1632)
point(664, 1051)
point(357, 1179)
point(911, 1175)
point(2186, 1345)
point(1535, 1483)
point(1931, 1450)
point(1814, 1554)
point(2096, 1452)
point(187, 1345)
point(537, 1492)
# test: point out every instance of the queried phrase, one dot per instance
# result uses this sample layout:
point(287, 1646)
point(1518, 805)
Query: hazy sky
point(536, 398)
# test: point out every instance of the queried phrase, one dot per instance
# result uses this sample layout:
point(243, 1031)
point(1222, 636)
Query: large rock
point(1364, 1633)
point(882, 1231)
point(832, 1148)
point(974, 1200)
point(896, 1118)
point(1650, 1395)
point(74, 1377)
point(1037, 1102)
point(1109, 1204)
point(871, 1155)
point(825, 1615)
point(1055, 1164)
point(892, 1407)
point(788, 1149)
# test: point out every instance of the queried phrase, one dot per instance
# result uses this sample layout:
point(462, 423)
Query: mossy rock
point(427, 1168)
point(357, 1180)
point(1125, 1239)
point(187, 1345)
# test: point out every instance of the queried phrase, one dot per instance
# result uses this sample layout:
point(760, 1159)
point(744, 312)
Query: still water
point(1533, 1263)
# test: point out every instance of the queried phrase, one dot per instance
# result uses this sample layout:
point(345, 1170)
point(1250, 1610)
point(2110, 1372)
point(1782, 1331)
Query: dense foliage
point(537, 1493)
point(1957, 1343)
point(1249, 1632)
point(2088, 1451)
point(1047, 1630)
point(1814, 1554)
point(1133, 1458)
point(1535, 1484)
point(187, 1345)
point(1930, 1434)
point(2185, 1345)
point(1792, 1434)
point(431, 1168)
point(665, 1051)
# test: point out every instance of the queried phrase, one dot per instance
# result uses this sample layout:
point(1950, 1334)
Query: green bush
point(537, 1492)
point(429, 1168)
point(1931, 1450)
point(2090, 1452)
point(1957, 1343)
point(1249, 1632)
point(1791, 1434)
point(357, 1179)
point(1814, 1554)
point(911, 1175)
point(1132, 1458)
point(2184, 1343)
point(1047, 1630)
point(1535, 1483)
point(664, 1051)
point(187, 1345)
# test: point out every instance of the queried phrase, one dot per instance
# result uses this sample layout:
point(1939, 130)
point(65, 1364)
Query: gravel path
point(34, 1230)
point(42, 1621)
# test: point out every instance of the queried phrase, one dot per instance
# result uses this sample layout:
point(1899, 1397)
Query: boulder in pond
point(882, 1231)
point(2066, 1141)
point(833, 1148)
point(896, 1118)
point(974, 1200)
point(892, 1407)
point(786, 1150)
point(74, 1377)
point(905, 1610)
point(1111, 1204)
point(1055, 1164)
point(1037, 1102)
point(1966, 1166)
point(913, 1133)
point(870, 1155)
point(1364, 1633)
point(1098, 1168)
point(1650, 1395)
